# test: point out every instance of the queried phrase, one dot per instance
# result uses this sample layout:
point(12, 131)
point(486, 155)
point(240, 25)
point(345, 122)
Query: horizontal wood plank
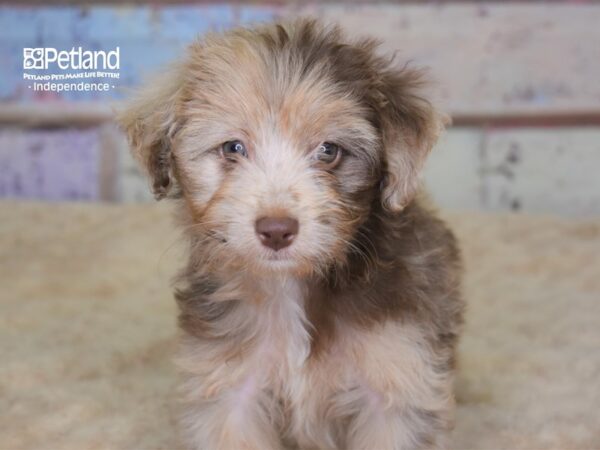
point(503, 62)
point(492, 60)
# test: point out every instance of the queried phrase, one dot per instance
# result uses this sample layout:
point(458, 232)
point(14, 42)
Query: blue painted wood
point(148, 37)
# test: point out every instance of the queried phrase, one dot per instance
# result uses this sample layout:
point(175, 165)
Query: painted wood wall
point(519, 79)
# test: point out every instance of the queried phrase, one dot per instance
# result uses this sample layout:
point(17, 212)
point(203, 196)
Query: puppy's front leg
point(402, 390)
point(243, 417)
point(407, 428)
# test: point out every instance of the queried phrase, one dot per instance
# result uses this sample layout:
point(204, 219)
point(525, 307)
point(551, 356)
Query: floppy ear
point(150, 122)
point(410, 127)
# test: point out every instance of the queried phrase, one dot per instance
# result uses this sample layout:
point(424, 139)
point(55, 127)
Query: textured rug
point(87, 326)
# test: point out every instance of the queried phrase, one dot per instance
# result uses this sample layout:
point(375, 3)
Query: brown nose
point(276, 232)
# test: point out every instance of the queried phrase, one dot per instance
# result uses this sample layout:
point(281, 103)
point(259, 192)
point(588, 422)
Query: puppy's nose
point(276, 232)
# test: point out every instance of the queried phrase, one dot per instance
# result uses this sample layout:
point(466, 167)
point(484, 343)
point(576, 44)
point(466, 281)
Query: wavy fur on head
point(344, 339)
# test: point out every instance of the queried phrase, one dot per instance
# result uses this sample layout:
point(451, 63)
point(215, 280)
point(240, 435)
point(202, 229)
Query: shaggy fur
point(345, 339)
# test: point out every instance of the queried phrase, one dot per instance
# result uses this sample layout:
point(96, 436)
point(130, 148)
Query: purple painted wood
point(50, 165)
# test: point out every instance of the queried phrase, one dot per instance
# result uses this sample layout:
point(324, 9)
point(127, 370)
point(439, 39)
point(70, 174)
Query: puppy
point(320, 304)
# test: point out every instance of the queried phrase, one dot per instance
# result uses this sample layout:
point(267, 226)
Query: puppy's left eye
point(328, 154)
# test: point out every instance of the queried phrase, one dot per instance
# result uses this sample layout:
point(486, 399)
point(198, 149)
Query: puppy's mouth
point(277, 261)
point(279, 256)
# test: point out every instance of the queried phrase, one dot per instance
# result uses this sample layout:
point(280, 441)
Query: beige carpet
point(87, 328)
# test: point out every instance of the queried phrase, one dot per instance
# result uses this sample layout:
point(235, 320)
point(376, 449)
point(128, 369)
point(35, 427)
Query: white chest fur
point(283, 333)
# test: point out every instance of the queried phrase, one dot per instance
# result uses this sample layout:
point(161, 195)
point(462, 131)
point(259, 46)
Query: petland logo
point(75, 59)
point(77, 70)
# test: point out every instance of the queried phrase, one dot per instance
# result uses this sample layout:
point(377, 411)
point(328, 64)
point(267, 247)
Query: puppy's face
point(278, 168)
point(281, 140)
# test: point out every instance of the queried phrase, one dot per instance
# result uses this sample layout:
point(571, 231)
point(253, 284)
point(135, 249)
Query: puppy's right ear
point(150, 122)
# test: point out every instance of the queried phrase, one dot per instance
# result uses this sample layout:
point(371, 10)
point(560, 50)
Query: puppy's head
point(281, 141)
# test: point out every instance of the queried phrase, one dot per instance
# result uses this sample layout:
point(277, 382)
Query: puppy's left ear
point(410, 127)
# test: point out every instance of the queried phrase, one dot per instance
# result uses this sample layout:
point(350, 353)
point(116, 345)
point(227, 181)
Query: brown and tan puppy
point(320, 304)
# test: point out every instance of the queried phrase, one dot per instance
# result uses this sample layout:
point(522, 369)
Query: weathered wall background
point(519, 79)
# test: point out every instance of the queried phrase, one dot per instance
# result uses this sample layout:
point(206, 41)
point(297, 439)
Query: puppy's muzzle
point(276, 232)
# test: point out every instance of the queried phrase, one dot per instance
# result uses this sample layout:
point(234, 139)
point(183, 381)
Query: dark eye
point(231, 148)
point(328, 154)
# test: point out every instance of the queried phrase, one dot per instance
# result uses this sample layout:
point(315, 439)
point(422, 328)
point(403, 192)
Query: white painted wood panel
point(536, 170)
point(493, 58)
point(543, 171)
point(452, 173)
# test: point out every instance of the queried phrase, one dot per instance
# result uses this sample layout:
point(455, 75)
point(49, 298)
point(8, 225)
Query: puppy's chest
point(282, 352)
point(282, 329)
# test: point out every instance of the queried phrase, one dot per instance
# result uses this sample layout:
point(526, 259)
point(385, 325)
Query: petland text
point(76, 59)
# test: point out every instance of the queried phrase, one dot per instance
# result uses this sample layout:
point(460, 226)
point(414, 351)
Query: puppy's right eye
point(232, 148)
